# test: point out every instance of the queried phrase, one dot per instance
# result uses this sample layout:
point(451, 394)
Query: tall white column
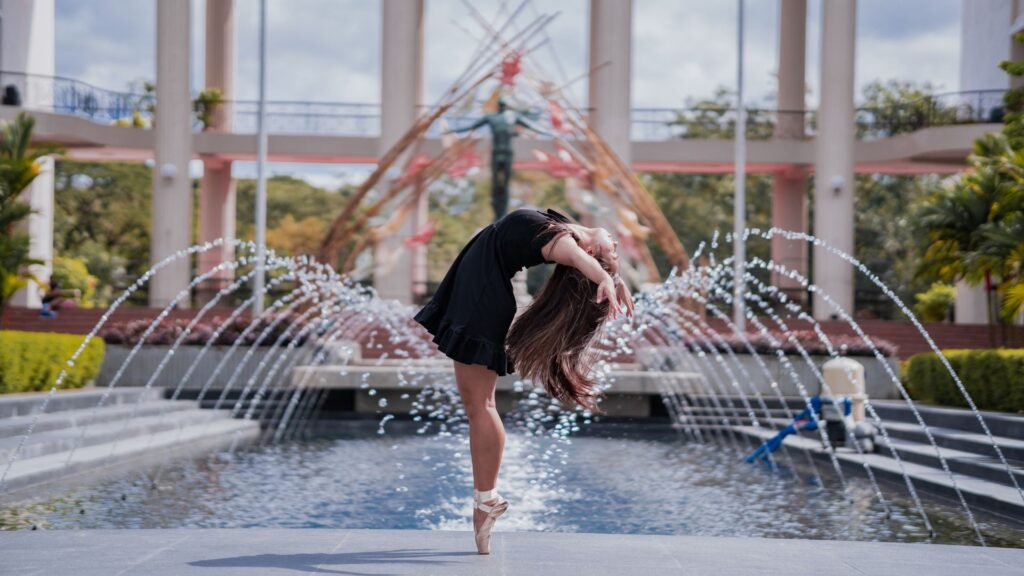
point(611, 25)
point(789, 193)
point(971, 306)
point(27, 50)
point(39, 225)
point(833, 179)
point(985, 37)
point(172, 187)
point(217, 192)
point(608, 94)
point(397, 267)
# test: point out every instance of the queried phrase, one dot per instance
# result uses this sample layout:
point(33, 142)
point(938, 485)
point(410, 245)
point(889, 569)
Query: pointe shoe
point(494, 505)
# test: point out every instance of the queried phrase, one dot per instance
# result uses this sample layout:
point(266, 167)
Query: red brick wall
point(903, 334)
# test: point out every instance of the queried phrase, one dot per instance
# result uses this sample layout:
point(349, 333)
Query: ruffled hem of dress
point(454, 342)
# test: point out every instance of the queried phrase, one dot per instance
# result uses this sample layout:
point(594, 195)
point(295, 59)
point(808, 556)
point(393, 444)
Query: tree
point(18, 168)
point(975, 226)
point(102, 216)
point(715, 118)
point(1013, 99)
point(898, 107)
point(294, 237)
point(72, 273)
point(886, 240)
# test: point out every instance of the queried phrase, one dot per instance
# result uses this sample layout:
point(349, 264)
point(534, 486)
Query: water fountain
point(278, 373)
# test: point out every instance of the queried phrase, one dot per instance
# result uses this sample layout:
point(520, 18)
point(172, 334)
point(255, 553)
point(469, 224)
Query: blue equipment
point(803, 421)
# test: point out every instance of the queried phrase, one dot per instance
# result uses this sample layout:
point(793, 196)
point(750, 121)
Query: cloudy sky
point(329, 50)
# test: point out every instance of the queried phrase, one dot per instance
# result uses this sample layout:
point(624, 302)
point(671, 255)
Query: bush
point(935, 304)
point(72, 273)
point(993, 378)
point(31, 361)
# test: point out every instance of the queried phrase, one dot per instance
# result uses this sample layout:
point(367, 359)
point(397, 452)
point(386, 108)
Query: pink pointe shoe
point(495, 506)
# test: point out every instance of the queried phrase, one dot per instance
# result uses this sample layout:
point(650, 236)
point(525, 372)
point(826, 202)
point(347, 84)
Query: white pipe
point(261, 161)
point(740, 194)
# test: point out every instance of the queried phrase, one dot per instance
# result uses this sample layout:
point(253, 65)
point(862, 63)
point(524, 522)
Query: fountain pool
point(599, 482)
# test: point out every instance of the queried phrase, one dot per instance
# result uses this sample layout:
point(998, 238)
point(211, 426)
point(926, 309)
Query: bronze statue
point(503, 128)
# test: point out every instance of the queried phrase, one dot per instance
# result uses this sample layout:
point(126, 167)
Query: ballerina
point(472, 318)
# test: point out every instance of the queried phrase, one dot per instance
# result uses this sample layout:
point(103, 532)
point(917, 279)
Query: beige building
point(833, 152)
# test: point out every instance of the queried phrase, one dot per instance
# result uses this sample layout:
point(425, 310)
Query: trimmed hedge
point(31, 361)
point(993, 378)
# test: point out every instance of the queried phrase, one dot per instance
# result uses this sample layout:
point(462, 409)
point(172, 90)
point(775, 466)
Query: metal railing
point(294, 117)
point(711, 122)
point(74, 97)
point(69, 96)
point(973, 107)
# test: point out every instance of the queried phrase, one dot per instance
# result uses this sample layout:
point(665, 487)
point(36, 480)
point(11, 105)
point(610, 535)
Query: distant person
point(473, 310)
point(57, 298)
point(12, 97)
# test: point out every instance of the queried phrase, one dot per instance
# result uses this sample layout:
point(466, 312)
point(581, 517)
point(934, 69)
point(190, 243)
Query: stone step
point(64, 439)
point(17, 425)
point(264, 406)
point(986, 468)
point(1000, 424)
point(27, 475)
point(971, 442)
point(12, 405)
point(979, 460)
point(993, 497)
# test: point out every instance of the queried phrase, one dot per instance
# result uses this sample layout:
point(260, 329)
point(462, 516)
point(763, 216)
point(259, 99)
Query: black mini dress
point(473, 308)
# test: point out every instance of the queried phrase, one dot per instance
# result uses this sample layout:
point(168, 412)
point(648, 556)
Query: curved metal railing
point(74, 97)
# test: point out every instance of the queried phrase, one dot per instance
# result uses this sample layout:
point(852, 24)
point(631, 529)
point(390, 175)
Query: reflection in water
point(577, 484)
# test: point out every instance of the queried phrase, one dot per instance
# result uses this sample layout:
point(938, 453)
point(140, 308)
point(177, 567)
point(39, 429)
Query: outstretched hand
point(622, 293)
point(606, 291)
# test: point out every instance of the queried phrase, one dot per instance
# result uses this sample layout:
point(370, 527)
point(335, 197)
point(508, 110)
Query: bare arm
point(564, 250)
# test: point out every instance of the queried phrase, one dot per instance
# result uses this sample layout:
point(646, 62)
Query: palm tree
point(974, 228)
point(18, 168)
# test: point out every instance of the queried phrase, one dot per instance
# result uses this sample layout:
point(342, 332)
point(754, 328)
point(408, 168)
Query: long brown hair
point(549, 343)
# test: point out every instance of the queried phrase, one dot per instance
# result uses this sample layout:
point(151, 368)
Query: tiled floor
point(364, 552)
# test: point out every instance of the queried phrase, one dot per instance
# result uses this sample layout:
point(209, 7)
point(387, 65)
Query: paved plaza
point(269, 552)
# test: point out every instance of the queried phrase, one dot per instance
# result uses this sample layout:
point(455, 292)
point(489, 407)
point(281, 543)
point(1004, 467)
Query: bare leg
point(486, 432)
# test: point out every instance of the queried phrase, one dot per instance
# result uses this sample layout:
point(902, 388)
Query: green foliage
point(18, 168)
point(285, 195)
point(72, 273)
point(32, 360)
point(974, 227)
point(886, 240)
point(143, 106)
point(1013, 99)
point(102, 217)
point(715, 118)
point(993, 378)
point(205, 105)
point(897, 107)
point(14, 262)
point(698, 205)
point(934, 305)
